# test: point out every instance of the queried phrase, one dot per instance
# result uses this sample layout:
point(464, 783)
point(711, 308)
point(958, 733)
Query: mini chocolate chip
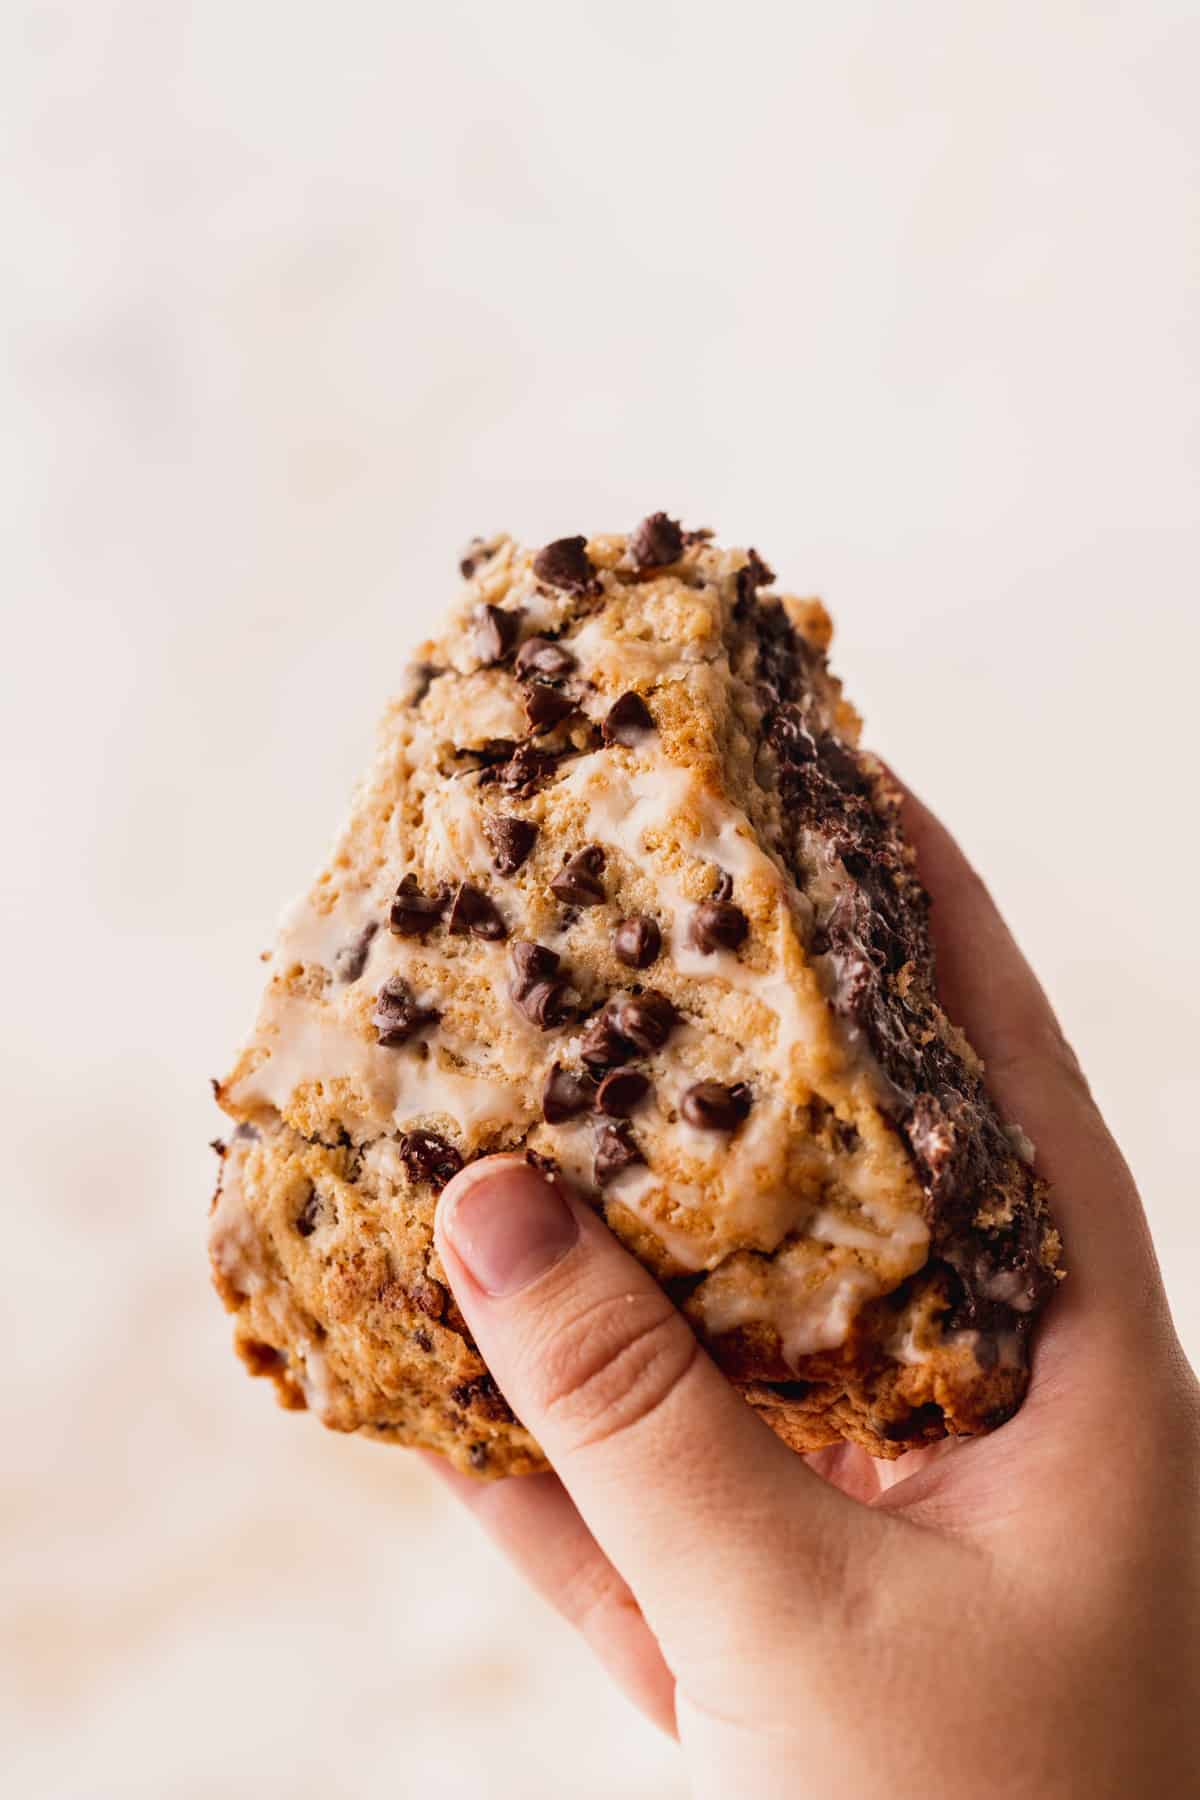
point(622, 1092)
point(530, 963)
point(481, 758)
point(754, 575)
point(545, 1004)
point(542, 656)
point(423, 1341)
point(309, 1216)
point(351, 959)
point(546, 1165)
point(416, 681)
point(397, 1014)
point(524, 771)
point(430, 1297)
point(540, 993)
point(477, 552)
point(565, 564)
point(723, 886)
point(629, 720)
point(546, 706)
point(478, 1456)
point(637, 941)
point(566, 1094)
point(616, 1149)
point(471, 910)
point(428, 1157)
point(413, 913)
point(482, 1395)
point(718, 925)
point(656, 542)
point(578, 882)
point(602, 1046)
point(511, 840)
point(647, 1020)
point(496, 632)
point(714, 1107)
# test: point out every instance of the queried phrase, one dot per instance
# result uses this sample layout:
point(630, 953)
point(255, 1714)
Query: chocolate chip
point(602, 1045)
point(481, 1395)
point(482, 758)
point(616, 1149)
point(477, 552)
point(471, 910)
point(545, 1165)
point(496, 632)
point(351, 959)
point(536, 988)
point(714, 1107)
point(416, 681)
point(647, 1020)
point(565, 564)
point(754, 575)
point(477, 1455)
point(578, 882)
point(397, 1014)
point(723, 886)
point(546, 706)
point(511, 841)
point(530, 963)
point(629, 720)
point(546, 1005)
point(428, 1157)
point(542, 656)
point(637, 941)
point(718, 925)
point(413, 913)
point(656, 542)
point(309, 1216)
point(622, 1092)
point(429, 1297)
point(423, 1341)
point(566, 1094)
point(524, 771)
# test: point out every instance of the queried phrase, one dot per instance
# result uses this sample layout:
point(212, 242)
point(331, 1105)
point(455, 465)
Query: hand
point(1018, 1615)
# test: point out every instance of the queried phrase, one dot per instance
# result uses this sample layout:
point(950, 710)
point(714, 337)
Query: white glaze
point(457, 848)
point(232, 1234)
point(811, 1303)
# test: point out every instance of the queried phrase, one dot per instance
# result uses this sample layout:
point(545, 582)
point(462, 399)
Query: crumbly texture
point(622, 892)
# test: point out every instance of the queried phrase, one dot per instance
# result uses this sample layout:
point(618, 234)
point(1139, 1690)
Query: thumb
point(710, 1519)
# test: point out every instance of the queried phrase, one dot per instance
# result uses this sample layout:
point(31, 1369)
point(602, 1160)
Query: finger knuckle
point(614, 1366)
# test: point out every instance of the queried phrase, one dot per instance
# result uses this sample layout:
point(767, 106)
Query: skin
point(1018, 1615)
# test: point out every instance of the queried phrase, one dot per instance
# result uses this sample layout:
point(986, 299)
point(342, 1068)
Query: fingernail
point(507, 1225)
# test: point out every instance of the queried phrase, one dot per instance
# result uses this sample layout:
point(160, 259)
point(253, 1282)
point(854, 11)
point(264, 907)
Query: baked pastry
point(622, 892)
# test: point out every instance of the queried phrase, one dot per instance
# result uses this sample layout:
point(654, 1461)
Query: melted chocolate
point(877, 927)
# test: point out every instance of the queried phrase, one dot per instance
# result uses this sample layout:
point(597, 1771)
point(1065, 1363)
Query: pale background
point(301, 296)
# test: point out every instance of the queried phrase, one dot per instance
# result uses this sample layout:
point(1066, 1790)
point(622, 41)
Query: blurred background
point(296, 299)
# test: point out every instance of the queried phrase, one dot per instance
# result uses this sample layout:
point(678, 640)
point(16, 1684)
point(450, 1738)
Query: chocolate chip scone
point(622, 892)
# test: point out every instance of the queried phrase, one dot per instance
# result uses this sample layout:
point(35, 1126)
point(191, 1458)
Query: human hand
point(1018, 1615)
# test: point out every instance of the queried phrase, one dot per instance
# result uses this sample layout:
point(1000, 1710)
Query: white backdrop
point(300, 297)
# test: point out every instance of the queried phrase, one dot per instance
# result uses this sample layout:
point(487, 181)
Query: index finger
point(987, 987)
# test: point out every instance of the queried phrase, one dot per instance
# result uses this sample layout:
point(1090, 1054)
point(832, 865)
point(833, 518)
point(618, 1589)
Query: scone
point(622, 892)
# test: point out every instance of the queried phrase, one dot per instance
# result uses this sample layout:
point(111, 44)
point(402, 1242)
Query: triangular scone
point(621, 891)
